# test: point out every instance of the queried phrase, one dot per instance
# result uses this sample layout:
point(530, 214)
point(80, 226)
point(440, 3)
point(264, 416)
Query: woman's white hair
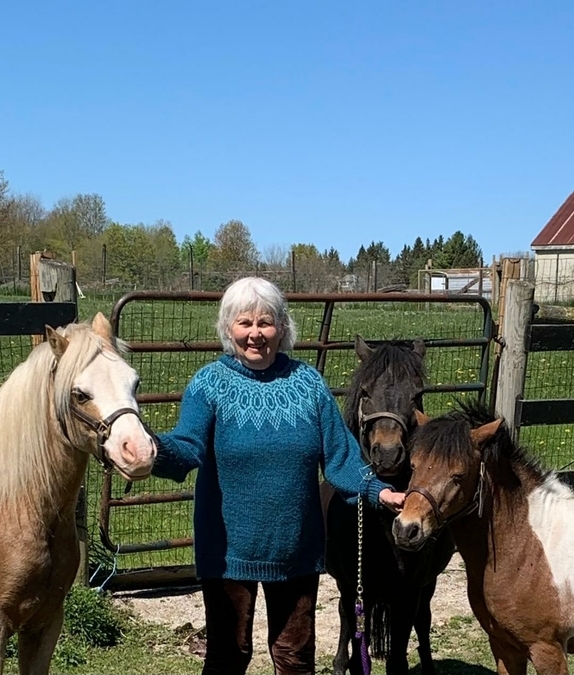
point(255, 294)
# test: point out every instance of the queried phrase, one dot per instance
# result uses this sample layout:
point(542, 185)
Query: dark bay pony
point(513, 524)
point(72, 397)
point(398, 586)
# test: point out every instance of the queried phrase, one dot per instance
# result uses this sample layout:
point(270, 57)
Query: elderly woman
point(259, 425)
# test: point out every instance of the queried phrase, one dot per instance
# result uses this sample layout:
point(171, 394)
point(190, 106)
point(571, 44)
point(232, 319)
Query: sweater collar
point(278, 367)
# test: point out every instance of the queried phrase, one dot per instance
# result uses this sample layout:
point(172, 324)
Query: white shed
point(554, 256)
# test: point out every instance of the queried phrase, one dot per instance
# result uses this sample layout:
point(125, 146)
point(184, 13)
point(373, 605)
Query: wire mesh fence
point(188, 323)
point(550, 375)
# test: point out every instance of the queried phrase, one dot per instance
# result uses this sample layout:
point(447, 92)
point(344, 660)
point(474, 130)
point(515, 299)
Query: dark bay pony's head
point(380, 406)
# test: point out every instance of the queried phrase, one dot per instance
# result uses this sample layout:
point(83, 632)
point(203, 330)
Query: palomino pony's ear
point(419, 347)
point(58, 342)
point(422, 419)
point(485, 432)
point(362, 349)
point(102, 327)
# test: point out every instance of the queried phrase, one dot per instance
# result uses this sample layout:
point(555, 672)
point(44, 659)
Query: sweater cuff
point(374, 487)
point(167, 464)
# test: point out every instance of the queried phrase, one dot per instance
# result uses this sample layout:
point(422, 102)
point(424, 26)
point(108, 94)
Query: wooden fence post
point(51, 281)
point(514, 330)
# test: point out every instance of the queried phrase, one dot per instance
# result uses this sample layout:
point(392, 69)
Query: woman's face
point(255, 339)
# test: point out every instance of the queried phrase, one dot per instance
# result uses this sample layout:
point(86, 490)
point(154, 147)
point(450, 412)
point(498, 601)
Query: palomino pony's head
point(381, 404)
point(95, 398)
point(448, 457)
point(74, 392)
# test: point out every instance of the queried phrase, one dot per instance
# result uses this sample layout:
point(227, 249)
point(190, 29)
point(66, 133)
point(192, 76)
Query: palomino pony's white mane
point(30, 446)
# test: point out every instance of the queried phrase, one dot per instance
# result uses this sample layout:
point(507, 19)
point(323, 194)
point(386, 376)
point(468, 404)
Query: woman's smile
point(255, 339)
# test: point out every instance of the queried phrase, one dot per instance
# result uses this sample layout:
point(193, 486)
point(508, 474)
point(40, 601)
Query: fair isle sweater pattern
point(259, 439)
point(245, 401)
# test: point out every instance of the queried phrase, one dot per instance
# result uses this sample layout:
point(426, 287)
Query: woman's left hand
point(392, 500)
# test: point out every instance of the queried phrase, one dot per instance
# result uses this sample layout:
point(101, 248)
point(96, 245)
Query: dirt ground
point(175, 610)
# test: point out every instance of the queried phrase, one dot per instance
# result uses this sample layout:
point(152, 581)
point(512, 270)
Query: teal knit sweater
point(259, 438)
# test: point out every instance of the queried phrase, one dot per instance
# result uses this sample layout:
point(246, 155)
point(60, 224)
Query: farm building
point(470, 281)
point(554, 256)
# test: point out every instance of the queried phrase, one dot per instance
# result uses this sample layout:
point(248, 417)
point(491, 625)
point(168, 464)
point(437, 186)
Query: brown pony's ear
point(485, 432)
point(102, 327)
point(422, 419)
point(419, 347)
point(58, 342)
point(362, 349)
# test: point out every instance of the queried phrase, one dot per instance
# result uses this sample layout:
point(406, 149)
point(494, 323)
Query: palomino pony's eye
point(81, 396)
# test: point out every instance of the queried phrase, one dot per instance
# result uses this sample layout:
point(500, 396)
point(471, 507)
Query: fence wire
point(158, 321)
point(550, 375)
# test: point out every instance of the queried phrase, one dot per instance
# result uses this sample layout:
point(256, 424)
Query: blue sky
point(325, 122)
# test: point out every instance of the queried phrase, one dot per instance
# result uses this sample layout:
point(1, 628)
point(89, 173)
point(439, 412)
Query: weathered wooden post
point(514, 332)
point(51, 281)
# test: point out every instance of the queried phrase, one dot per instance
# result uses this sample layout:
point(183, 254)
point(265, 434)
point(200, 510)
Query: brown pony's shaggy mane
point(396, 360)
point(448, 438)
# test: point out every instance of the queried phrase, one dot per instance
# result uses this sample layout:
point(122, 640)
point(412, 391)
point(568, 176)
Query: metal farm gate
point(146, 535)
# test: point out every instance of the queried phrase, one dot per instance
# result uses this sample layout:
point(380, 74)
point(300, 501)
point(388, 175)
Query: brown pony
point(513, 524)
point(73, 396)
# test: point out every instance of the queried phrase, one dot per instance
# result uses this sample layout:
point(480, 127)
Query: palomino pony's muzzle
point(103, 429)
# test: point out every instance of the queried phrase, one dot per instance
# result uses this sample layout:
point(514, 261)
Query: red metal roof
point(559, 230)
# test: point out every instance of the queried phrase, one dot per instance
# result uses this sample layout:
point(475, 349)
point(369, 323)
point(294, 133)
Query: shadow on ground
point(448, 666)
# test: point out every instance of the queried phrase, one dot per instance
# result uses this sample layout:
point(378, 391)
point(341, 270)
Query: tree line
point(148, 256)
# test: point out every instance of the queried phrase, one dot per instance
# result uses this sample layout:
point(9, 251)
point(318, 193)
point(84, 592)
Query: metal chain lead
point(359, 600)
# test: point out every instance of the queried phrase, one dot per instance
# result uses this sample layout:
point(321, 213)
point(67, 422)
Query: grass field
point(549, 375)
point(460, 647)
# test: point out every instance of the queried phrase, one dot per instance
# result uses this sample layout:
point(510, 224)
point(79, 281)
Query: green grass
point(460, 647)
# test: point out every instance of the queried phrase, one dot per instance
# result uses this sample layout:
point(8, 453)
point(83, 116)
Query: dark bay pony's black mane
point(447, 437)
point(396, 360)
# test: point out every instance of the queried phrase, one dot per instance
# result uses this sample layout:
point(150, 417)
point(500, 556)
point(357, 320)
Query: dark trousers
point(229, 610)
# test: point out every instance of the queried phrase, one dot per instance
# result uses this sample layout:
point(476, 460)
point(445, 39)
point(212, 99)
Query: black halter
point(477, 502)
point(366, 420)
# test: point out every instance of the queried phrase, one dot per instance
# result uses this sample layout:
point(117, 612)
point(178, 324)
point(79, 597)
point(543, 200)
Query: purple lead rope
point(360, 635)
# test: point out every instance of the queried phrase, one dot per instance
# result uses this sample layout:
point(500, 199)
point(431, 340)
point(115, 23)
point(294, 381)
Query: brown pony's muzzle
point(408, 536)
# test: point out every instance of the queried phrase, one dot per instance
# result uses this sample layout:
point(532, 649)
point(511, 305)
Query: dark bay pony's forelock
point(392, 361)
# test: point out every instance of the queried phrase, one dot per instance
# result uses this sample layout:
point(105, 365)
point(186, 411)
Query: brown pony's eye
point(81, 396)
point(458, 477)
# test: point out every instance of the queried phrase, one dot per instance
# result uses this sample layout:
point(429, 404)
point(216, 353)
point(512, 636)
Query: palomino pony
point(380, 411)
point(513, 524)
point(73, 396)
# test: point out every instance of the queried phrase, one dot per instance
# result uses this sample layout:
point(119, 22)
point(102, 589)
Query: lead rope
point(359, 608)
